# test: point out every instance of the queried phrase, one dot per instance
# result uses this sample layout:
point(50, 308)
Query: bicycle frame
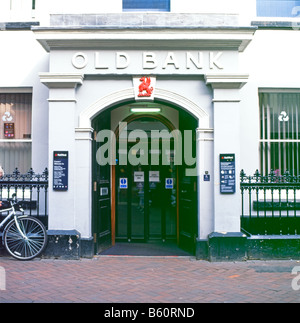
point(12, 214)
point(24, 237)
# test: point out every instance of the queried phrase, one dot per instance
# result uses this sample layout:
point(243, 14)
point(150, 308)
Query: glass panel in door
point(138, 203)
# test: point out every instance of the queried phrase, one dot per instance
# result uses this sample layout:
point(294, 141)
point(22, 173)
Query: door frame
point(102, 239)
point(128, 120)
point(162, 96)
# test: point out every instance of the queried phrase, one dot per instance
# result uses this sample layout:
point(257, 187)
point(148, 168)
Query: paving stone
point(147, 280)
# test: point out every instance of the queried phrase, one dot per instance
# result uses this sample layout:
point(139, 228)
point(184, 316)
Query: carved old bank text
point(149, 60)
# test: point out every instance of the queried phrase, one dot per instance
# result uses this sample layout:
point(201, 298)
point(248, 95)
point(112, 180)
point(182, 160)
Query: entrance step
point(145, 249)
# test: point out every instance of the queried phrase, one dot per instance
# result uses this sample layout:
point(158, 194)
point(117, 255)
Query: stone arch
point(90, 112)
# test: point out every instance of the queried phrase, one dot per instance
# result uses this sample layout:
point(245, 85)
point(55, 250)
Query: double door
point(146, 203)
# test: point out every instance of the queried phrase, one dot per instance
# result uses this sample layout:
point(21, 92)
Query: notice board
point(227, 173)
point(60, 170)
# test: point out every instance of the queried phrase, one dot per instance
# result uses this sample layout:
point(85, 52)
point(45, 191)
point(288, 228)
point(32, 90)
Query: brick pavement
point(147, 280)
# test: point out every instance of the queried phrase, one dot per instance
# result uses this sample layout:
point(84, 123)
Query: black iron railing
point(270, 204)
point(31, 189)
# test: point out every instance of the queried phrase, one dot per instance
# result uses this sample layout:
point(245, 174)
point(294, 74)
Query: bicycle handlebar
point(14, 203)
point(13, 198)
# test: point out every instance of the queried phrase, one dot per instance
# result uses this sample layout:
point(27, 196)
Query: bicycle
point(24, 237)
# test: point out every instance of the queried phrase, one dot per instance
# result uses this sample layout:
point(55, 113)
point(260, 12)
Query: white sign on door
point(139, 177)
point(153, 176)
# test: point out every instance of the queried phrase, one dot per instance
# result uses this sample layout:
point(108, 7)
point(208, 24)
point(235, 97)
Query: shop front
point(145, 116)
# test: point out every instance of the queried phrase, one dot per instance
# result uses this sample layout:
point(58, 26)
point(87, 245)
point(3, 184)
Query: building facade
point(146, 112)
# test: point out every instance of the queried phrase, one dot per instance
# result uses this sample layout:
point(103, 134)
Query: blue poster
point(227, 173)
point(169, 183)
point(123, 183)
point(60, 170)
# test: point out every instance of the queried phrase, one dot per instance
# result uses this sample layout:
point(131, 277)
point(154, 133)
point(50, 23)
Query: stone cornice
point(226, 81)
point(201, 38)
point(61, 80)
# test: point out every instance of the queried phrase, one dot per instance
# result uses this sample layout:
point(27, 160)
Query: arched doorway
point(146, 194)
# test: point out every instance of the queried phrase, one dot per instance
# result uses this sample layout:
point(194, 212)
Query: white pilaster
point(83, 177)
point(205, 184)
point(226, 101)
point(62, 103)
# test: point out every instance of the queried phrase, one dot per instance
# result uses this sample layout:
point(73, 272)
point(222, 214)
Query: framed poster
point(60, 170)
point(227, 173)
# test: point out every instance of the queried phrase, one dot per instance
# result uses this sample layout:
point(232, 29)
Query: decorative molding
point(16, 89)
point(22, 25)
point(278, 90)
point(226, 81)
point(184, 103)
point(86, 115)
point(128, 95)
point(205, 134)
point(83, 134)
point(62, 100)
point(226, 100)
point(198, 38)
point(61, 80)
point(130, 19)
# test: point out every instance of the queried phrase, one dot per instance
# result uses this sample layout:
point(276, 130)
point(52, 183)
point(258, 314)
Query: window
point(277, 8)
point(280, 132)
point(146, 5)
point(15, 131)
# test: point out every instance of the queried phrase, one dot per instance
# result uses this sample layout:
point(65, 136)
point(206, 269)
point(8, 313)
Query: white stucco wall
point(20, 64)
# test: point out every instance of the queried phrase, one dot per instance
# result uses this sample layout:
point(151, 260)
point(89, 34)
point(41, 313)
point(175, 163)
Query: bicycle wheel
point(28, 245)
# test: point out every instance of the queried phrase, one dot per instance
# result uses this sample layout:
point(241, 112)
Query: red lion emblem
point(144, 88)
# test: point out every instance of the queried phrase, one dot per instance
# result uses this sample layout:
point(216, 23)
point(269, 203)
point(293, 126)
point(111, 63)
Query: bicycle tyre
point(34, 242)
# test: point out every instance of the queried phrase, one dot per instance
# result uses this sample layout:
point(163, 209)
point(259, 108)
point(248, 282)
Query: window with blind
point(280, 132)
point(15, 131)
point(148, 5)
